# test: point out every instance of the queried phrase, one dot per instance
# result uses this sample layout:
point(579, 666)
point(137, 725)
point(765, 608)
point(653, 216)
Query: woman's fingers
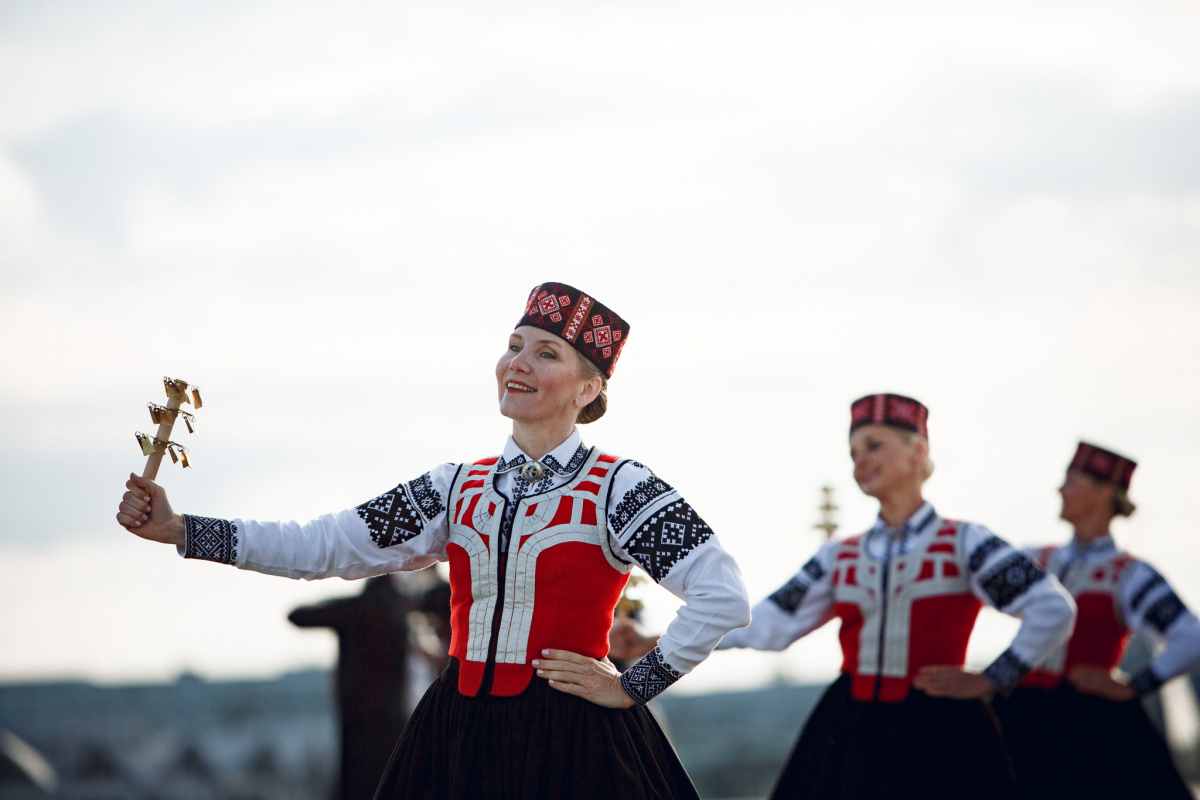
point(561, 666)
point(134, 501)
point(133, 512)
point(570, 688)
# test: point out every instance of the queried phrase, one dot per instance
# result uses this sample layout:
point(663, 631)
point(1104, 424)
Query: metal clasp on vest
point(533, 472)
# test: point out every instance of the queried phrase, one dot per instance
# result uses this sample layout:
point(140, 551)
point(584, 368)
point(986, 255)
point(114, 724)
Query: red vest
point(915, 611)
point(1100, 634)
point(555, 587)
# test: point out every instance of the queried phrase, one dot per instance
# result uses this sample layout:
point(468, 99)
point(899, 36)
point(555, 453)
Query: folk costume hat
point(893, 410)
point(584, 322)
point(1103, 465)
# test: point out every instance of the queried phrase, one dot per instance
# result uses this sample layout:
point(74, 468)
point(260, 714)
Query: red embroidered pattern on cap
point(1103, 465)
point(894, 410)
point(587, 324)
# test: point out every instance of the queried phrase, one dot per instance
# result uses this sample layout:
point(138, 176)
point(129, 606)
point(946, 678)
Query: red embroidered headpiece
point(894, 410)
point(1103, 465)
point(587, 324)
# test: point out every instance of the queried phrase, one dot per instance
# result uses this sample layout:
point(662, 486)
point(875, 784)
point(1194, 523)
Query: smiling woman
point(905, 719)
point(540, 541)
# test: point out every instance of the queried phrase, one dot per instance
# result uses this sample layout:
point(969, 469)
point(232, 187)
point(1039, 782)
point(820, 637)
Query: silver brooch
point(532, 472)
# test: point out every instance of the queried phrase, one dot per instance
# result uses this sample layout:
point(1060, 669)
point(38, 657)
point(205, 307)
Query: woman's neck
point(895, 509)
point(1089, 530)
point(536, 439)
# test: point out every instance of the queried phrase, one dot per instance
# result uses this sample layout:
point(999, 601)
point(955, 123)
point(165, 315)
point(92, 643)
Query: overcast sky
point(328, 217)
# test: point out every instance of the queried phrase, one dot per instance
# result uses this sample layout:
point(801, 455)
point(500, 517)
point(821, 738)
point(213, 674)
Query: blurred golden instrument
point(828, 522)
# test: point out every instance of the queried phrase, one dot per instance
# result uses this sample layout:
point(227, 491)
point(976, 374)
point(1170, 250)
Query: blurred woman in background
point(1075, 728)
point(905, 719)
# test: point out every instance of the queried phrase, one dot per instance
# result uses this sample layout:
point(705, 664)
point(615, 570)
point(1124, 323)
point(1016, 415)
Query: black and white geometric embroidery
point(210, 539)
point(402, 513)
point(1140, 595)
point(791, 595)
point(1006, 671)
point(503, 465)
point(813, 569)
point(426, 497)
point(648, 678)
point(635, 502)
point(575, 463)
point(667, 537)
point(1165, 611)
point(985, 549)
point(1011, 579)
point(1145, 682)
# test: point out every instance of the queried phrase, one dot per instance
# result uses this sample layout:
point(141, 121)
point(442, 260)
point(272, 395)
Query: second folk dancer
point(905, 719)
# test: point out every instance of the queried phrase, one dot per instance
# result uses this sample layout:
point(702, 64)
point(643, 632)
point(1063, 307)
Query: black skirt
point(1068, 744)
point(539, 745)
point(934, 749)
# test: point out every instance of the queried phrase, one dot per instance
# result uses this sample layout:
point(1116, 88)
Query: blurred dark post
point(372, 678)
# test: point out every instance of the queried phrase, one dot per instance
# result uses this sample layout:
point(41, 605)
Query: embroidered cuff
point(646, 679)
point(1145, 682)
point(210, 539)
point(1006, 672)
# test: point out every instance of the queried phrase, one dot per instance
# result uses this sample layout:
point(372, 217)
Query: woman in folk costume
point(1073, 728)
point(905, 719)
point(540, 541)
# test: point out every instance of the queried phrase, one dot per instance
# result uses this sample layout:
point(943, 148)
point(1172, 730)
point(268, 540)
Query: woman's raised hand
point(592, 679)
point(145, 511)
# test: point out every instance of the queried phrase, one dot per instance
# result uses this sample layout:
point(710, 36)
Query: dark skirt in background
point(1068, 744)
point(922, 747)
point(539, 745)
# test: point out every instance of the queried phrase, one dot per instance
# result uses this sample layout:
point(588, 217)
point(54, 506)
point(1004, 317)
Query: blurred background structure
point(328, 217)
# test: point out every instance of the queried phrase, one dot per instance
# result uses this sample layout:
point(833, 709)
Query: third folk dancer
point(1075, 730)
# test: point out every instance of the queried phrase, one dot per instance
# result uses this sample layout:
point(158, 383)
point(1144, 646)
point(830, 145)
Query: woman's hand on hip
point(144, 510)
point(592, 679)
point(1099, 682)
point(946, 680)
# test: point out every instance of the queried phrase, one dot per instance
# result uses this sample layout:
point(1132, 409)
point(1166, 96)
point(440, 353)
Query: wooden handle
point(163, 435)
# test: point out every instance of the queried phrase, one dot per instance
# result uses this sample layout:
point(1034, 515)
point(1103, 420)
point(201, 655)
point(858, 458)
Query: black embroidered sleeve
point(210, 539)
point(981, 553)
point(1139, 596)
point(1164, 611)
point(666, 538)
point(647, 679)
point(635, 502)
point(1144, 682)
point(1010, 579)
point(791, 595)
point(402, 513)
point(1006, 672)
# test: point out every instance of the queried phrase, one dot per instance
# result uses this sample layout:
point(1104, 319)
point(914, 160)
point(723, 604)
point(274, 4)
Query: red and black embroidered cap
point(588, 325)
point(1103, 465)
point(893, 410)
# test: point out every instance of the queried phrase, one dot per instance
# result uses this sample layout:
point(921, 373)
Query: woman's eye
point(547, 354)
point(872, 446)
point(514, 348)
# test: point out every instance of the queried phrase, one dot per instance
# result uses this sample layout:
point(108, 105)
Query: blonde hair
point(595, 409)
point(1122, 505)
point(912, 436)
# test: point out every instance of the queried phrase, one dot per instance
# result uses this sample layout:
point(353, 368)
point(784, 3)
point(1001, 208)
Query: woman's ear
point(591, 390)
